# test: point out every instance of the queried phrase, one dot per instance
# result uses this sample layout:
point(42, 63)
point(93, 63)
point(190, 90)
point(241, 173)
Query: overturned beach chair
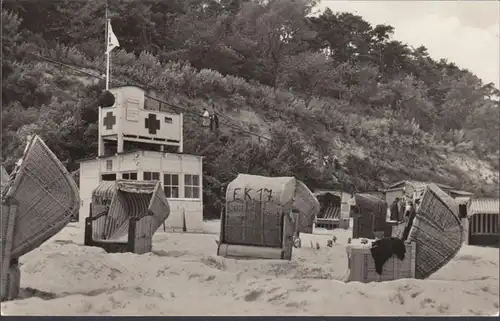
point(369, 216)
point(263, 215)
point(38, 201)
point(125, 214)
point(435, 237)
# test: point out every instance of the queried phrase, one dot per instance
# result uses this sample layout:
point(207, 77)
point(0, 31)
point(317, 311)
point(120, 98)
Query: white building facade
point(181, 174)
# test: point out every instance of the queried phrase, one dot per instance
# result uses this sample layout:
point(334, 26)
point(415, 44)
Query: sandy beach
point(184, 276)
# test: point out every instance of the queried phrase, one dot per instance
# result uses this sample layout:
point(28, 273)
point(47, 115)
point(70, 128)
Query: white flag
point(112, 40)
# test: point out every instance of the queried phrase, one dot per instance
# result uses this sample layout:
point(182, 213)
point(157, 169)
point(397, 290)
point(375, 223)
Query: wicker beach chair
point(437, 231)
point(125, 214)
point(37, 202)
point(435, 237)
point(263, 216)
point(369, 216)
point(329, 216)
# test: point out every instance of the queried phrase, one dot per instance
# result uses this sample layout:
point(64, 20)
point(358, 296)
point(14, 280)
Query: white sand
point(183, 276)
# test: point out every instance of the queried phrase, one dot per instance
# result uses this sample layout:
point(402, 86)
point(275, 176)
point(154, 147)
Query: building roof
point(462, 199)
point(483, 206)
point(128, 85)
point(416, 184)
point(324, 192)
point(107, 189)
point(140, 152)
point(460, 192)
point(86, 159)
point(342, 194)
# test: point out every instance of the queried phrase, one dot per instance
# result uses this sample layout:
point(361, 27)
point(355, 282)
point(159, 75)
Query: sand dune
point(183, 276)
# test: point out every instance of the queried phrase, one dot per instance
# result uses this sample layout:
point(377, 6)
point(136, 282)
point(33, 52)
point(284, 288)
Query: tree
point(311, 74)
point(266, 33)
point(11, 37)
point(328, 85)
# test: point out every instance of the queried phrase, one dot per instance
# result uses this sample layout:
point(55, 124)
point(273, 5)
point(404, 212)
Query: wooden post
point(222, 224)
point(88, 240)
point(132, 224)
point(9, 212)
point(184, 227)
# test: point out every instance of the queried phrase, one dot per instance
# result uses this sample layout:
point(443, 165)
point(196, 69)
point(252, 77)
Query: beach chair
point(38, 201)
point(329, 215)
point(264, 215)
point(369, 216)
point(125, 214)
point(435, 237)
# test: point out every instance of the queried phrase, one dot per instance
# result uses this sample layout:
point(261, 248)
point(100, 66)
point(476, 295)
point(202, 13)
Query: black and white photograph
point(264, 158)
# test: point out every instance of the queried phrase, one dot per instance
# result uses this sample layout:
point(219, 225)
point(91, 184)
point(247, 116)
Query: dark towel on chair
point(383, 249)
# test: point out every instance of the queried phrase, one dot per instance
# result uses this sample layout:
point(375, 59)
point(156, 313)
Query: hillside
point(306, 91)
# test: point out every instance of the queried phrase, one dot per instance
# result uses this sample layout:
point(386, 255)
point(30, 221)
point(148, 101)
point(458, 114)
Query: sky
point(464, 32)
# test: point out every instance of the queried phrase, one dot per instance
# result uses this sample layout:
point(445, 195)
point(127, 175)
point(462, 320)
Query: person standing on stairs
point(214, 121)
point(206, 118)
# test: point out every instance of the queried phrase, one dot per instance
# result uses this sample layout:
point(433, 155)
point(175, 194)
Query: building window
point(108, 177)
point(191, 186)
point(109, 165)
point(130, 176)
point(171, 185)
point(151, 176)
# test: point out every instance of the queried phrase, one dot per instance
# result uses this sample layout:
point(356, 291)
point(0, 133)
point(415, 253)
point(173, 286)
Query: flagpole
point(100, 144)
point(107, 48)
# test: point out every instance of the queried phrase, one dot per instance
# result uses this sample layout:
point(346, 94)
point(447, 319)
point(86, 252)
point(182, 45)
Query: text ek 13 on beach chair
point(263, 215)
point(125, 214)
point(435, 237)
point(38, 200)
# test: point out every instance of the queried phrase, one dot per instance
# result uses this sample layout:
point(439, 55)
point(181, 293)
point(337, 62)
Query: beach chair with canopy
point(329, 216)
point(125, 214)
point(263, 215)
point(435, 237)
point(369, 215)
point(38, 201)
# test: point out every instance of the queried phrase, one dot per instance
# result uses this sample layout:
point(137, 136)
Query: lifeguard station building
point(138, 140)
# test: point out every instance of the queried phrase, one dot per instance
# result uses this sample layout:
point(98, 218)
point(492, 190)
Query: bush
point(398, 146)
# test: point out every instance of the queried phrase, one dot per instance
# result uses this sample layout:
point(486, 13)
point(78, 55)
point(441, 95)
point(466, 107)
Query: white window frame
point(110, 163)
point(170, 186)
point(192, 187)
point(152, 178)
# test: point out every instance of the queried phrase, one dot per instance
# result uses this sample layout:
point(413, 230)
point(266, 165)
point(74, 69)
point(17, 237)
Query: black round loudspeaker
point(106, 99)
